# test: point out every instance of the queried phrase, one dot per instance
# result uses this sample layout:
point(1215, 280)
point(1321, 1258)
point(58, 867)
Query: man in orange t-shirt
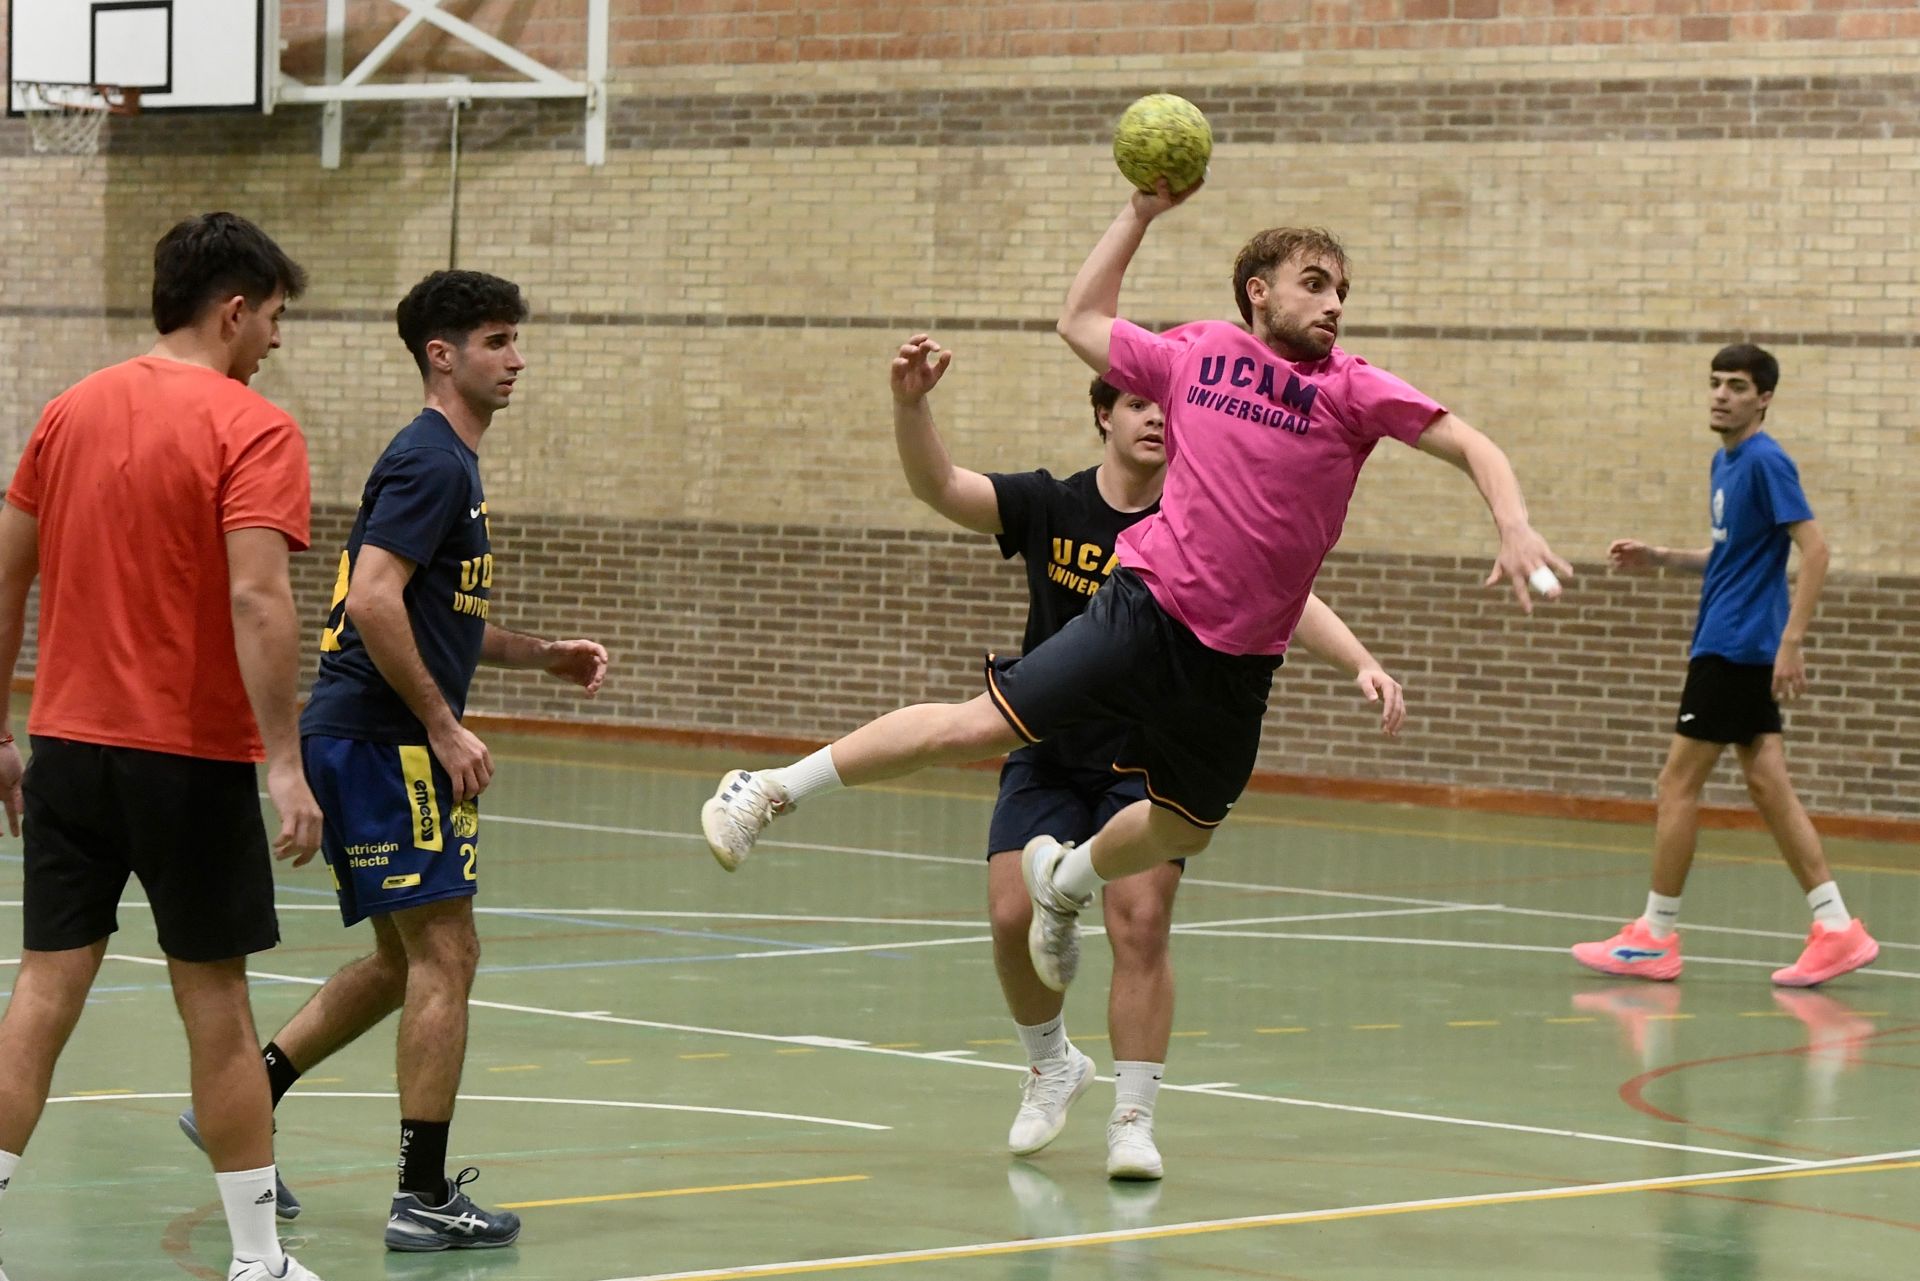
point(157, 501)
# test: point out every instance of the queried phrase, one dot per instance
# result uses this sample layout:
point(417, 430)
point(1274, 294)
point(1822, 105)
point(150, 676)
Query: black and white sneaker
point(417, 1227)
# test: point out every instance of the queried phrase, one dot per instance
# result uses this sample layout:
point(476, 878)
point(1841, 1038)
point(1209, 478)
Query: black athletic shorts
point(190, 829)
point(1727, 702)
point(1043, 796)
point(1192, 713)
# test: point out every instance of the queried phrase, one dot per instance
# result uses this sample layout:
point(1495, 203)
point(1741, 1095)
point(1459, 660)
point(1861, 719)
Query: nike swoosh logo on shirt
point(474, 514)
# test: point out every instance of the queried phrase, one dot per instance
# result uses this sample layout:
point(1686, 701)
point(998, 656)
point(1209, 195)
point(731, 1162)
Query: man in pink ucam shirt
point(1266, 433)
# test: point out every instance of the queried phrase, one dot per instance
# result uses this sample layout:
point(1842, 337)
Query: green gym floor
point(1384, 1065)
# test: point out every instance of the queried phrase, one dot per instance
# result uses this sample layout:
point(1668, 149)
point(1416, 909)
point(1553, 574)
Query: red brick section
point(662, 33)
point(801, 633)
point(1875, 105)
point(775, 638)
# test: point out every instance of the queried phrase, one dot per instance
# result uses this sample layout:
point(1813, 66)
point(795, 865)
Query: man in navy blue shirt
point(396, 773)
point(1748, 653)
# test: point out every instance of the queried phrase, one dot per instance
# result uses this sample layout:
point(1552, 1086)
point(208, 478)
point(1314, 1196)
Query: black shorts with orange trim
point(1192, 713)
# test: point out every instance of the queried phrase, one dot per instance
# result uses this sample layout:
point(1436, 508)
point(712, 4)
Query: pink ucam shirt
point(1262, 457)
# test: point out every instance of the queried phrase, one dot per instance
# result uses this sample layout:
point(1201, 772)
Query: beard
point(1294, 340)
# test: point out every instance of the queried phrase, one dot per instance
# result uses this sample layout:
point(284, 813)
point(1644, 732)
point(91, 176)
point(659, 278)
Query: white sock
point(1074, 874)
point(248, 1197)
point(809, 776)
point(1663, 914)
point(1136, 1085)
point(9, 1162)
point(1045, 1042)
point(1828, 908)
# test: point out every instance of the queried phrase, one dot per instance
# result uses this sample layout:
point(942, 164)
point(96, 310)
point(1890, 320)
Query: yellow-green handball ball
point(1163, 136)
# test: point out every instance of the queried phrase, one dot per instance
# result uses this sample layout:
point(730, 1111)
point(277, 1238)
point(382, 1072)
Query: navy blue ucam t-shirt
point(423, 502)
point(1743, 601)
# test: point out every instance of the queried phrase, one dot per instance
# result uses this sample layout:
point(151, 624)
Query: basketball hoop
point(66, 118)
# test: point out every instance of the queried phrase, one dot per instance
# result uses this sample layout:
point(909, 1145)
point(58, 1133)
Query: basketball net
point(66, 119)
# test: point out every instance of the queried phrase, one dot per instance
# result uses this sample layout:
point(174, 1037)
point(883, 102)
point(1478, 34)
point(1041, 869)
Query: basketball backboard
point(183, 55)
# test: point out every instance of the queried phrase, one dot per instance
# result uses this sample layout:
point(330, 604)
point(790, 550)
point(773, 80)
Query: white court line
point(1198, 1226)
point(1691, 927)
point(1332, 916)
point(1228, 1093)
point(511, 1098)
point(1188, 879)
point(1474, 946)
point(946, 1056)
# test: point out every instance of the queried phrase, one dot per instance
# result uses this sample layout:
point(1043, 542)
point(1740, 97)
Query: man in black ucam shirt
point(396, 773)
point(1067, 531)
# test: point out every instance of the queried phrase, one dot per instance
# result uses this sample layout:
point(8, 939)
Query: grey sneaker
point(285, 1204)
point(739, 811)
point(1053, 940)
point(416, 1227)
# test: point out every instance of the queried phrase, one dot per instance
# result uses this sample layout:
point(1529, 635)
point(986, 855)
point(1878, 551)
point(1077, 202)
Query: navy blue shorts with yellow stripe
point(393, 836)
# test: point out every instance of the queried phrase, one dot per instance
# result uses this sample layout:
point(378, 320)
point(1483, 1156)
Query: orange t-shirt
point(135, 476)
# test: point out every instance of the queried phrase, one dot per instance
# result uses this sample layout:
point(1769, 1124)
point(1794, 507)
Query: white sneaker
point(1053, 940)
point(257, 1271)
point(739, 811)
point(1130, 1150)
point(1044, 1099)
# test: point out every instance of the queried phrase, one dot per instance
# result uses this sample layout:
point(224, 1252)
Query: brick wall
point(675, 33)
point(1556, 212)
point(799, 631)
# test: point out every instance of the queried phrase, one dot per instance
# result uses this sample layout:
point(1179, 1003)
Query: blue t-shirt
point(1743, 602)
point(423, 502)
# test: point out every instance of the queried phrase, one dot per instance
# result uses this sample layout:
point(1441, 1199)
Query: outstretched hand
point(1631, 553)
point(578, 662)
point(1522, 551)
point(1383, 689)
point(917, 367)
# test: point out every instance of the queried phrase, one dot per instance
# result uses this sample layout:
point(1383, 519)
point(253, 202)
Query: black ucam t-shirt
point(422, 502)
point(1070, 538)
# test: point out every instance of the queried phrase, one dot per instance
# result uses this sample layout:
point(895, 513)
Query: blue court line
point(660, 960)
point(655, 929)
point(602, 923)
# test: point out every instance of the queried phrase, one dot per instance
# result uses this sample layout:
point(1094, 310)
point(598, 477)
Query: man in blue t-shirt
point(396, 773)
point(1748, 652)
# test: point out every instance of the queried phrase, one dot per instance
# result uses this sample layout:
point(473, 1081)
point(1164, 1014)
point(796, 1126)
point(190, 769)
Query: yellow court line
point(804, 1049)
point(712, 1054)
point(516, 1067)
point(645, 1196)
point(1375, 1027)
point(897, 1045)
point(1271, 1030)
point(1473, 1023)
point(1289, 1219)
point(606, 1062)
point(323, 1080)
point(98, 1094)
point(1670, 1018)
